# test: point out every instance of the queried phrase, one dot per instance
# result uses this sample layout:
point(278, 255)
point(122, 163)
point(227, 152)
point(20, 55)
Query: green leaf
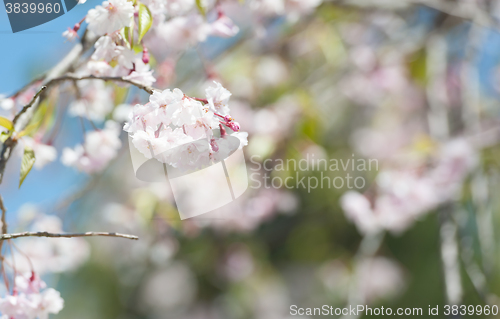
point(26, 164)
point(145, 20)
point(126, 36)
point(5, 122)
point(30, 128)
point(4, 136)
point(200, 7)
point(137, 48)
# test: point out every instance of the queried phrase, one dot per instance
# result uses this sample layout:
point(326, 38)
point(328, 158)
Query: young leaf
point(29, 129)
point(26, 164)
point(145, 20)
point(4, 136)
point(5, 122)
point(125, 31)
point(200, 7)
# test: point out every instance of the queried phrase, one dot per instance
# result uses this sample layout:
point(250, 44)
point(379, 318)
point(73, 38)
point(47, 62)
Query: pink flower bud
point(76, 27)
point(235, 126)
point(222, 131)
point(145, 56)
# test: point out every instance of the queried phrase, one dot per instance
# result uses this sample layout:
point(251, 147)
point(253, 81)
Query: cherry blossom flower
point(16, 306)
point(179, 7)
point(161, 99)
point(140, 117)
point(106, 49)
point(121, 112)
point(405, 194)
point(218, 98)
point(183, 31)
point(378, 278)
point(224, 27)
point(70, 34)
point(191, 144)
point(185, 112)
point(126, 59)
point(110, 16)
point(203, 126)
point(6, 103)
point(99, 149)
point(95, 100)
point(268, 7)
point(99, 68)
point(31, 300)
point(173, 107)
point(243, 137)
point(141, 73)
point(158, 9)
point(153, 143)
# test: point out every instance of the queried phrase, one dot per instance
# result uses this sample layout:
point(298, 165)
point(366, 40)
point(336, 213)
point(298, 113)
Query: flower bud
point(222, 131)
point(145, 56)
point(235, 126)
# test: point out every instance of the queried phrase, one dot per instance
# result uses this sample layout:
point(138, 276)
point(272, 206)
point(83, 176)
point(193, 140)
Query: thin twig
point(30, 104)
point(72, 77)
point(4, 231)
point(4, 212)
point(69, 235)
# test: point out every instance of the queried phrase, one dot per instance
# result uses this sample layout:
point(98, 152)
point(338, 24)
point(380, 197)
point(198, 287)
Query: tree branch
point(69, 235)
point(4, 223)
point(30, 104)
point(72, 77)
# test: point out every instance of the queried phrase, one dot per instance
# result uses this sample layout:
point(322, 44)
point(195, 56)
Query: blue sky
point(24, 55)
point(33, 51)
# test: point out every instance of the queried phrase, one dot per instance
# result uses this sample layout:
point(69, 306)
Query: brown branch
point(30, 104)
point(4, 230)
point(72, 77)
point(5, 153)
point(3, 219)
point(69, 235)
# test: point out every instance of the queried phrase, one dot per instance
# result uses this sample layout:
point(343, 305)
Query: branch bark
point(68, 235)
point(73, 77)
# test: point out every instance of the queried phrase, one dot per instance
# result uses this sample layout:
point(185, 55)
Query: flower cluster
point(404, 194)
point(30, 299)
point(117, 24)
point(99, 148)
point(179, 130)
